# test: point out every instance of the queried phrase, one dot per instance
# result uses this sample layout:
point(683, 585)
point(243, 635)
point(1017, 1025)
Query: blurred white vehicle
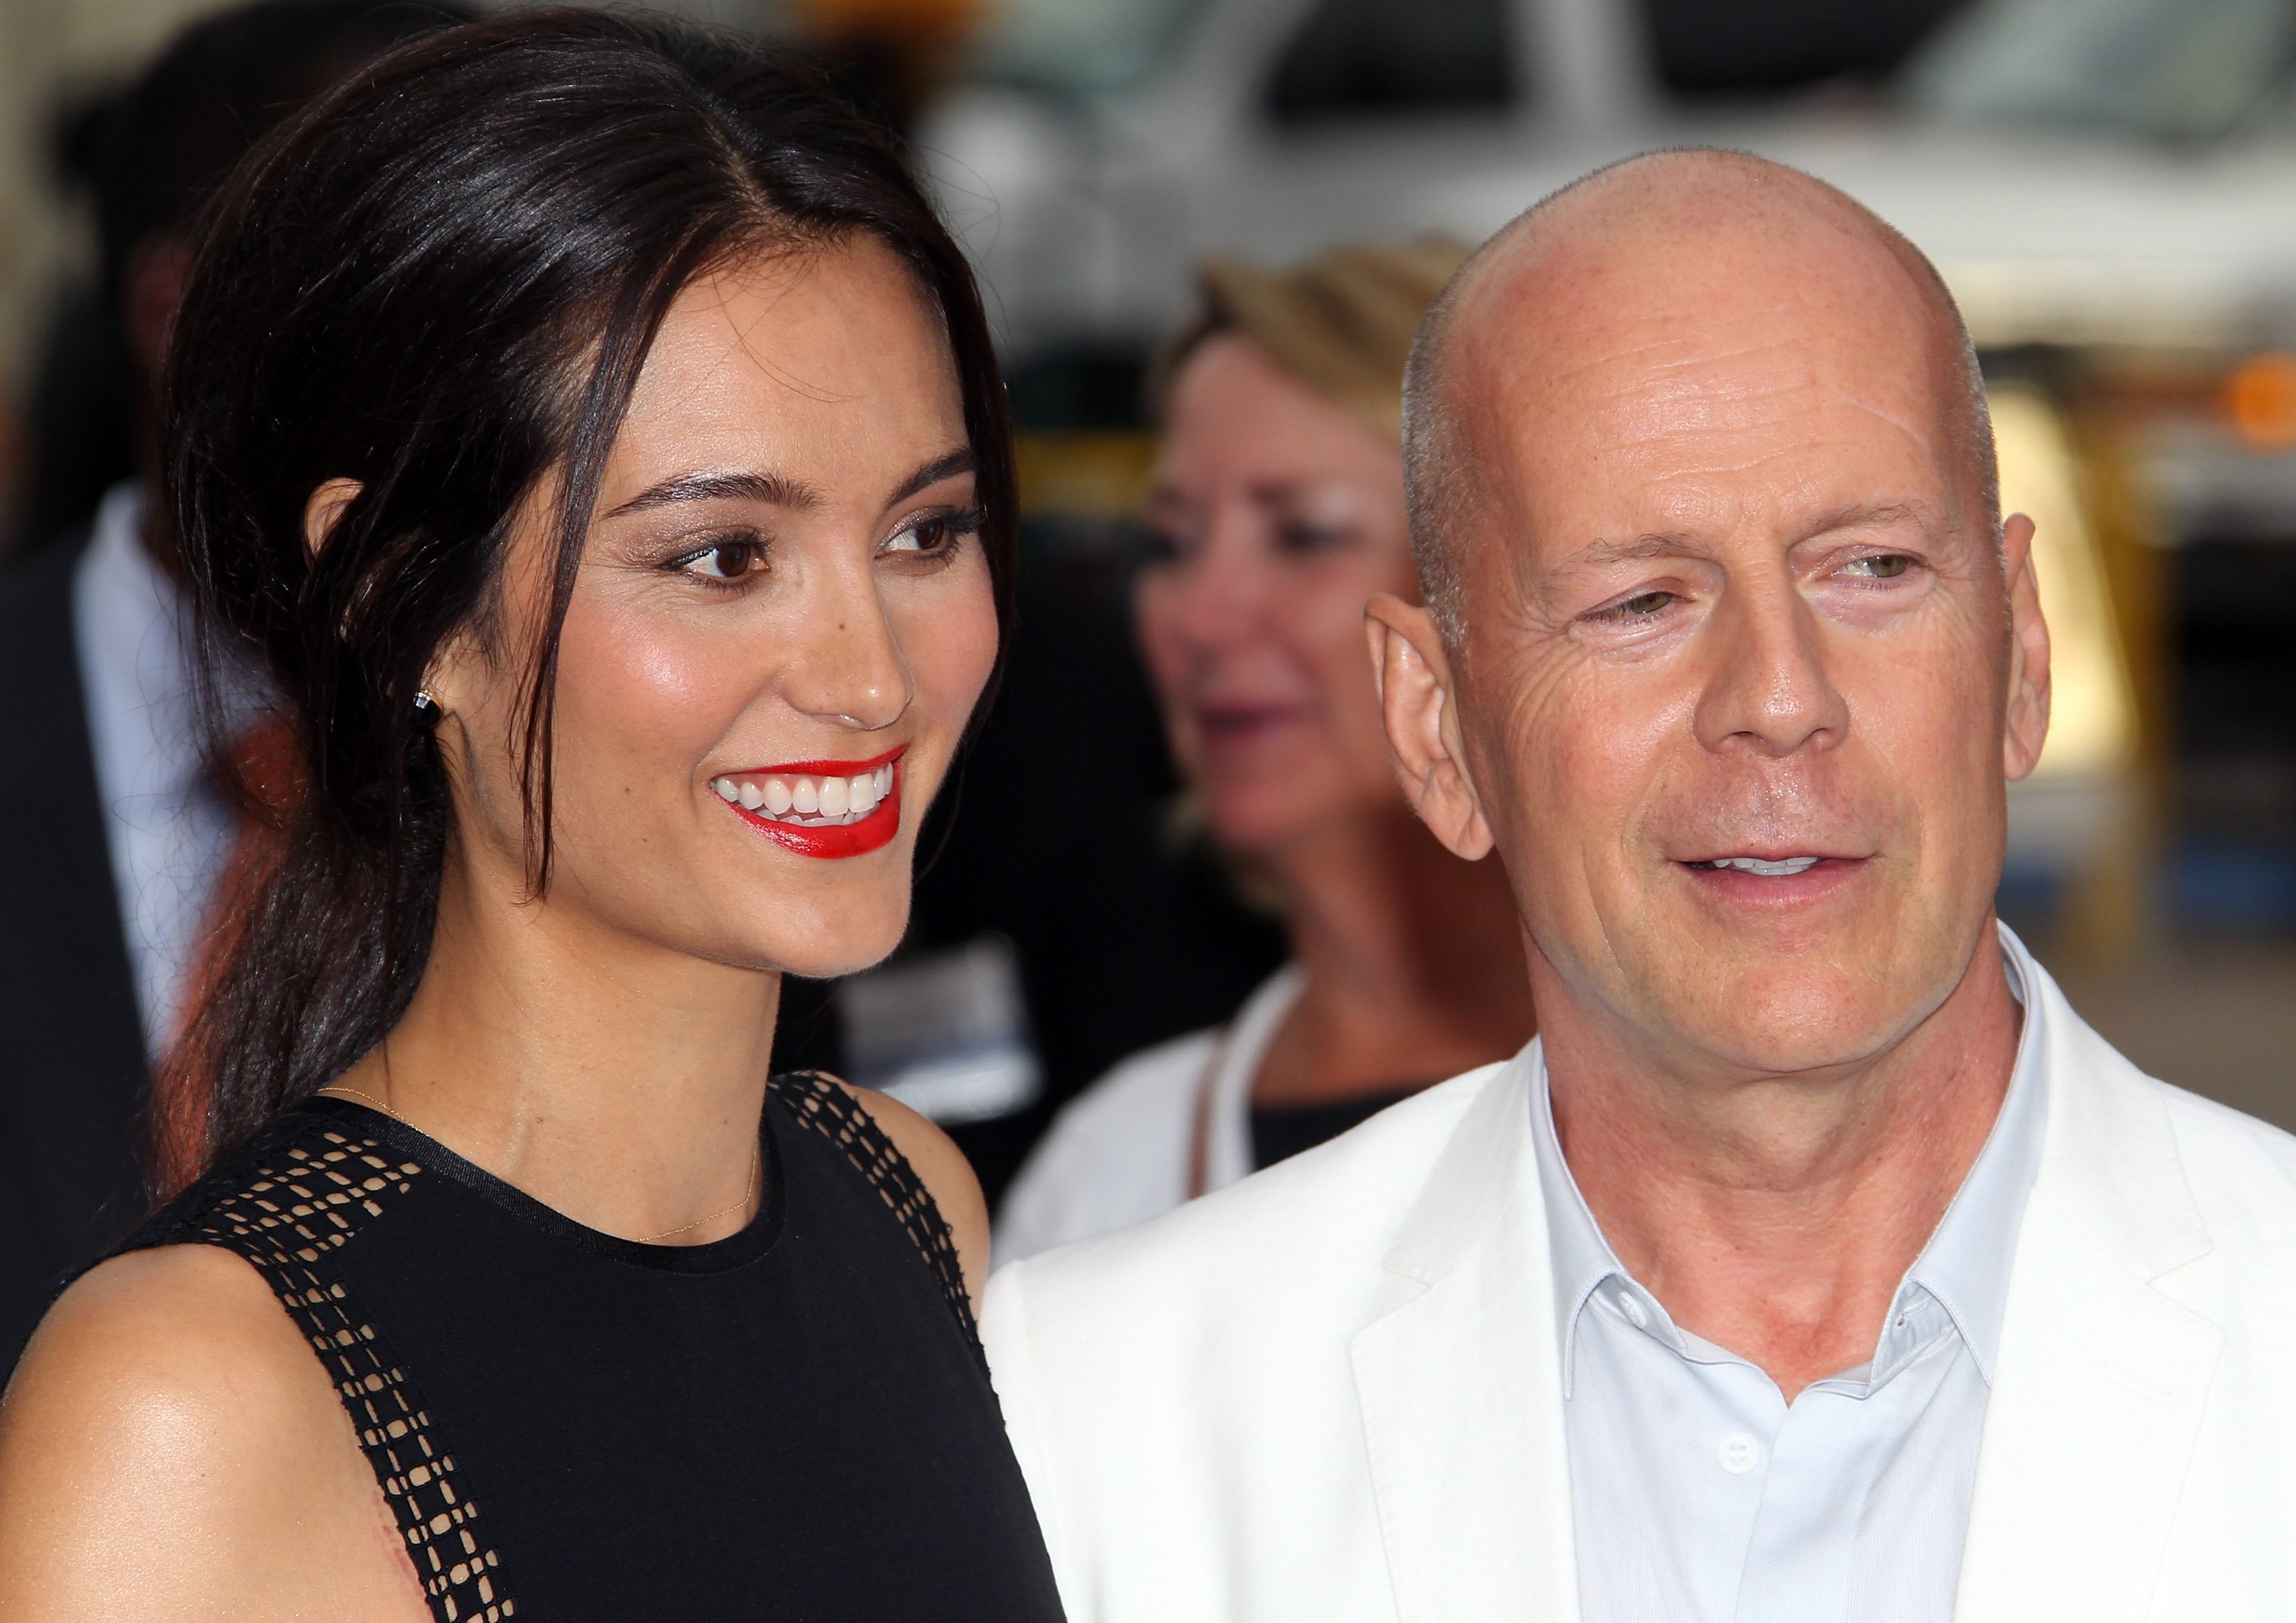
point(2108, 185)
point(2086, 172)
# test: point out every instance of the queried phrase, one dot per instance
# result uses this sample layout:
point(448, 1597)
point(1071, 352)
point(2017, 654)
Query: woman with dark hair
point(590, 430)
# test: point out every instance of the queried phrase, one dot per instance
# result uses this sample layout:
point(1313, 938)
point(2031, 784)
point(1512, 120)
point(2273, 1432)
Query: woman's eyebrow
point(948, 465)
point(779, 490)
point(772, 489)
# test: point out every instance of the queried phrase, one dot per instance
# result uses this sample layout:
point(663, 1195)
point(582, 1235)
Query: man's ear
point(2028, 719)
point(1413, 669)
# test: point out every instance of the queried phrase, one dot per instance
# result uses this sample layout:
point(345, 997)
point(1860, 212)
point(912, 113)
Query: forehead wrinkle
point(1871, 515)
point(1646, 373)
point(1690, 544)
point(1678, 433)
point(1701, 387)
point(1603, 551)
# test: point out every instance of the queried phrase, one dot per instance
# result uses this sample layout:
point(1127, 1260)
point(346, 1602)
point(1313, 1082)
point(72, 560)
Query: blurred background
point(2109, 186)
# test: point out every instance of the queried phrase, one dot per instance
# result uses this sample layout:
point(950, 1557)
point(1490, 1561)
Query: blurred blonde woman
point(1276, 511)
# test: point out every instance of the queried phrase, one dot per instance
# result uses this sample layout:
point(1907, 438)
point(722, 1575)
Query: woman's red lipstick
point(807, 806)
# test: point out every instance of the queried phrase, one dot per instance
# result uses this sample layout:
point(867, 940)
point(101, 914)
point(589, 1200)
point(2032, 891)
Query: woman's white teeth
point(1779, 869)
point(822, 800)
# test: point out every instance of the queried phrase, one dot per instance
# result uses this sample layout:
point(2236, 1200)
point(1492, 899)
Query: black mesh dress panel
point(794, 1422)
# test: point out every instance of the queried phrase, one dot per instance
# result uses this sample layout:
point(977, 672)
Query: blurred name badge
point(946, 1032)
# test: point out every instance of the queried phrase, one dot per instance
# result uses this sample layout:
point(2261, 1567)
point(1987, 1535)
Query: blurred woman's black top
point(793, 1423)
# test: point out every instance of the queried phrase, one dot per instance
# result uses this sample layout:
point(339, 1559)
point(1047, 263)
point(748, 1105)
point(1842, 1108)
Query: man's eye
point(1641, 606)
point(1883, 566)
point(727, 560)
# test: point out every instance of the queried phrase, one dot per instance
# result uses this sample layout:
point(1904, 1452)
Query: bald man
point(1817, 1263)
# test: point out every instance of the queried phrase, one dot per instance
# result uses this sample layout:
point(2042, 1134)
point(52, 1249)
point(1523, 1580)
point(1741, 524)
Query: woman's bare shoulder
point(946, 1173)
point(172, 1338)
point(170, 1448)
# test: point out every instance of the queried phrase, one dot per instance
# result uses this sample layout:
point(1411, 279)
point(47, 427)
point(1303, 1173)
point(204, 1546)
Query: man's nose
point(1769, 690)
point(851, 672)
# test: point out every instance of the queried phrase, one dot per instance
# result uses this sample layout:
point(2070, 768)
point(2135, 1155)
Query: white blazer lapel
point(2097, 1400)
point(1462, 1389)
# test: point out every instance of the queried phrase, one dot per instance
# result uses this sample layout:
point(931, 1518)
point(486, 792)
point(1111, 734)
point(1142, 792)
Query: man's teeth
point(816, 800)
point(1756, 864)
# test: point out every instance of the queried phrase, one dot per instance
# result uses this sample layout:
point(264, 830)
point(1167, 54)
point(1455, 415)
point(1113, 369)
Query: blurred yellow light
point(2093, 709)
point(1083, 474)
point(2260, 396)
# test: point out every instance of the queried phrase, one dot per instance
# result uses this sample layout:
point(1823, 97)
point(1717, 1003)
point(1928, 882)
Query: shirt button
point(1633, 1310)
point(1738, 1452)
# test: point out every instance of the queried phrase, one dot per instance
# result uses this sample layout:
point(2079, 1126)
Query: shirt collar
point(1581, 1259)
point(1964, 1268)
point(1965, 1265)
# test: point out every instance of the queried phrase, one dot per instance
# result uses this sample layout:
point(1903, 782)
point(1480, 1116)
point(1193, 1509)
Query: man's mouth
point(811, 794)
point(1768, 867)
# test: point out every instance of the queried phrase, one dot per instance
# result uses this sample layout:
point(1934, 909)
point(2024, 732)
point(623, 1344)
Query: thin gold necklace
point(757, 1165)
point(749, 1191)
point(369, 1099)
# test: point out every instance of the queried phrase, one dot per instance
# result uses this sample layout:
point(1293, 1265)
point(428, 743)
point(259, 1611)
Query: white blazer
point(1332, 1392)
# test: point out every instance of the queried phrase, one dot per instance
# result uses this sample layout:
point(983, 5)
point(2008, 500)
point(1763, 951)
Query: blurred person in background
point(628, 564)
point(116, 823)
point(1276, 513)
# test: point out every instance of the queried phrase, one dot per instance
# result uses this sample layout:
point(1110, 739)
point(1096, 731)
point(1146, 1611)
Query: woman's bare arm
point(170, 1449)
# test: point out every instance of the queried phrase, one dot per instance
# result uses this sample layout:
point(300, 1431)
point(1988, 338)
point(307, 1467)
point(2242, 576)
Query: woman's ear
point(325, 508)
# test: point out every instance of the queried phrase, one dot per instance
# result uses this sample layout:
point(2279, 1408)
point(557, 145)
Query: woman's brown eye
point(1646, 604)
point(928, 534)
point(726, 561)
point(936, 535)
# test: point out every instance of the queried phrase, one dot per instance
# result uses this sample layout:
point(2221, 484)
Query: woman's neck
point(1413, 959)
point(613, 1080)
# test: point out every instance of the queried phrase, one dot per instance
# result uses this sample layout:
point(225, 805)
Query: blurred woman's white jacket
point(1128, 1148)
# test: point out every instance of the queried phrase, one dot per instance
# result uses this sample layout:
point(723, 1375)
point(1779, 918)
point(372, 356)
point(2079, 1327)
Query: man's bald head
point(1700, 207)
point(1728, 652)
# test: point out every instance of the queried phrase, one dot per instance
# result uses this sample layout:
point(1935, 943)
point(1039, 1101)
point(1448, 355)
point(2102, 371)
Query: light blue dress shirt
point(1699, 1496)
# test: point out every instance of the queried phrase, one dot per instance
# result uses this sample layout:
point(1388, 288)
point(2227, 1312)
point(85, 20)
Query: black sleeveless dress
point(794, 1422)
